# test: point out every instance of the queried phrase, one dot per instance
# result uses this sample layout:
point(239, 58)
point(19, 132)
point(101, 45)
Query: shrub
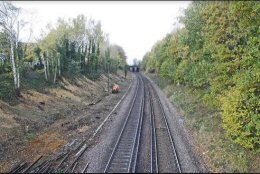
point(241, 117)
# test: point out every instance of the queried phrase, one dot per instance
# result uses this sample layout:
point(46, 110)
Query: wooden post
point(108, 67)
point(125, 70)
point(108, 74)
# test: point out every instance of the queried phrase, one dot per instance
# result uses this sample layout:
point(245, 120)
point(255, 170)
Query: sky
point(134, 25)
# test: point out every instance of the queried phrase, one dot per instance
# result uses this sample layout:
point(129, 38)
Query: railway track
point(162, 156)
point(164, 161)
point(68, 159)
point(124, 154)
point(144, 141)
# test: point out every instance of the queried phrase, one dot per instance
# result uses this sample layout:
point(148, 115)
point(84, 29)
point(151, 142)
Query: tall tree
point(9, 23)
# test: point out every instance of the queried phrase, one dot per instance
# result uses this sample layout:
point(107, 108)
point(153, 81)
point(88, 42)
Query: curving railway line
point(144, 142)
point(162, 156)
point(123, 157)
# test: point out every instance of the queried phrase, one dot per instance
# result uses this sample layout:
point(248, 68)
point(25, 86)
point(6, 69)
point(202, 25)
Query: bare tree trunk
point(18, 79)
point(59, 65)
point(17, 65)
point(54, 70)
point(13, 64)
point(9, 17)
point(45, 67)
point(108, 69)
point(85, 57)
point(55, 73)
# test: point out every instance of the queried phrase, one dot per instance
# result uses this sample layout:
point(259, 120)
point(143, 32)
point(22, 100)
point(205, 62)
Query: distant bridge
point(134, 68)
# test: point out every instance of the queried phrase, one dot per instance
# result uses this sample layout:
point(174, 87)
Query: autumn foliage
point(217, 51)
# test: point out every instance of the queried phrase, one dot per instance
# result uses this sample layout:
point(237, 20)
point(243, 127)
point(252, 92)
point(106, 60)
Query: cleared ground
point(42, 123)
point(69, 145)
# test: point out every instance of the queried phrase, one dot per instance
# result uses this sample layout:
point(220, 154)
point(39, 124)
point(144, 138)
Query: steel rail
point(135, 137)
point(140, 127)
point(153, 137)
point(85, 168)
point(151, 133)
point(112, 154)
point(123, 130)
point(169, 133)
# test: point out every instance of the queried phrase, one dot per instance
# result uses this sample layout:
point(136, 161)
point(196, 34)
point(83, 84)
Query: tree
point(9, 23)
point(217, 52)
point(81, 45)
point(37, 50)
point(118, 54)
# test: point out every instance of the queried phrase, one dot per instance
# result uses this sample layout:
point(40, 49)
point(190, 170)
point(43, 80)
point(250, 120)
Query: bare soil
point(43, 123)
point(78, 120)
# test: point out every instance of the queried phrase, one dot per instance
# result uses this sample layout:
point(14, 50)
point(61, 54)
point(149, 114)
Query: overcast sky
point(135, 26)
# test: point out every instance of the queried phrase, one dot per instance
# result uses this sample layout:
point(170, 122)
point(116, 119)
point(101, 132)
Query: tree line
point(217, 51)
point(71, 47)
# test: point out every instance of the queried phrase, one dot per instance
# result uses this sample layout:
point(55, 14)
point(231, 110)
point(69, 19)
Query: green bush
point(217, 52)
point(241, 117)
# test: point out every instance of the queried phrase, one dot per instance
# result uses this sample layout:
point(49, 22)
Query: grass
point(7, 90)
point(94, 75)
point(205, 122)
point(29, 80)
point(30, 136)
point(36, 80)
